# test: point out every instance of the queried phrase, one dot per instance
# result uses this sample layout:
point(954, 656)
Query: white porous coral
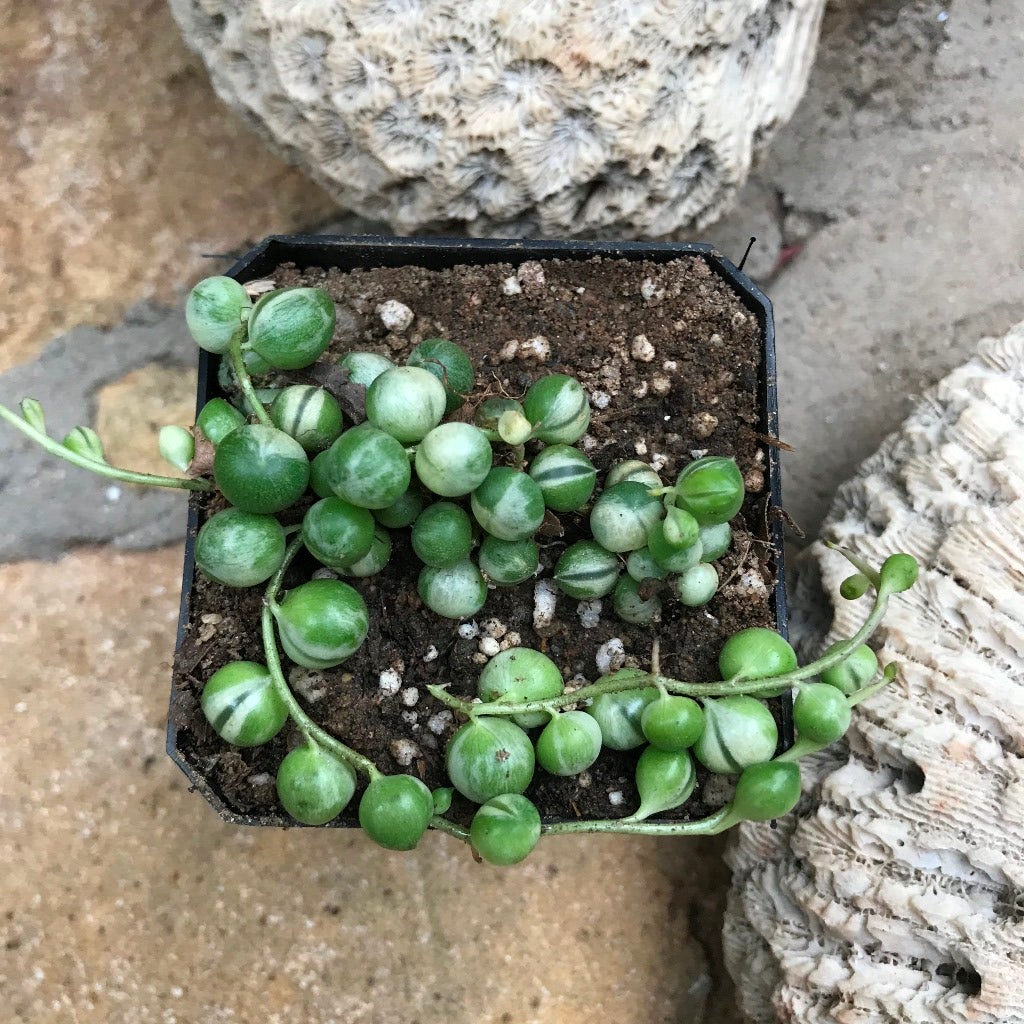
point(557, 116)
point(895, 891)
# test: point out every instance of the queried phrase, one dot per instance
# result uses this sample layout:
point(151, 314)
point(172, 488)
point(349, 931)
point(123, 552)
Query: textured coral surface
point(562, 116)
point(893, 893)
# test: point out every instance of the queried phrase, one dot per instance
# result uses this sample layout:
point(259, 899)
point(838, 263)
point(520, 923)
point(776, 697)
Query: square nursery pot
point(346, 254)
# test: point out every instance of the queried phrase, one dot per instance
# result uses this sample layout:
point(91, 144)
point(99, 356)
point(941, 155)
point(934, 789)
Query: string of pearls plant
point(409, 465)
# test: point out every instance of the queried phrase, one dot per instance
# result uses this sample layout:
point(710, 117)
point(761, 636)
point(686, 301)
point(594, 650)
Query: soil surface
point(670, 358)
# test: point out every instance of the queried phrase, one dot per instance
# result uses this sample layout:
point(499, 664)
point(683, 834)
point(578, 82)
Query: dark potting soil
point(670, 357)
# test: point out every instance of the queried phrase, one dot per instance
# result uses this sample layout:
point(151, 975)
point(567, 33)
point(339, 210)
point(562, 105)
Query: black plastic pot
point(347, 253)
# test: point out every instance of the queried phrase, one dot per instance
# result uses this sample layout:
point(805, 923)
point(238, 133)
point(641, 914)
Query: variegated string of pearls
point(461, 487)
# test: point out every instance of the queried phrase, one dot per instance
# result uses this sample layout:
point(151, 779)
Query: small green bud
point(177, 447)
point(899, 573)
point(680, 528)
point(86, 442)
point(854, 586)
point(443, 799)
point(217, 419)
point(32, 412)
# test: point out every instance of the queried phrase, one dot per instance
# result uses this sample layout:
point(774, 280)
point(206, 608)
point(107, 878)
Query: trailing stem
point(245, 383)
point(313, 732)
point(127, 476)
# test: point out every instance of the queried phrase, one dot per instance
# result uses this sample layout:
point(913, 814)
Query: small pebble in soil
point(641, 389)
point(431, 655)
point(508, 351)
point(511, 286)
point(410, 696)
point(589, 613)
point(545, 600)
point(611, 656)
point(660, 384)
point(703, 424)
point(310, 685)
point(439, 722)
point(588, 442)
point(411, 718)
point(494, 628)
point(641, 349)
point(670, 366)
point(395, 315)
point(616, 798)
point(531, 276)
point(489, 646)
point(511, 640)
point(753, 481)
point(405, 752)
point(640, 447)
point(538, 348)
point(658, 462)
point(584, 779)
point(600, 399)
point(390, 682)
point(480, 658)
point(651, 291)
point(469, 630)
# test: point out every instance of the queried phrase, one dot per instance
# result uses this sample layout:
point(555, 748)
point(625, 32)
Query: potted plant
point(505, 508)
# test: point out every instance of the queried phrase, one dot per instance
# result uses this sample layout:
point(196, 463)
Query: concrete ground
point(891, 237)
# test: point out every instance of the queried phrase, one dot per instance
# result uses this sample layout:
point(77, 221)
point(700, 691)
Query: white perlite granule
point(589, 613)
point(405, 752)
point(390, 682)
point(611, 656)
point(395, 315)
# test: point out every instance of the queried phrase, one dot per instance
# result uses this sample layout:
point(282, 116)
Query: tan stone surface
point(131, 411)
point(120, 167)
point(126, 900)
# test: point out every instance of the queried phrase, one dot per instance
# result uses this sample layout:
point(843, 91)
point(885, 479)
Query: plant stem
point(631, 679)
point(709, 826)
point(128, 476)
point(309, 728)
point(245, 383)
point(442, 824)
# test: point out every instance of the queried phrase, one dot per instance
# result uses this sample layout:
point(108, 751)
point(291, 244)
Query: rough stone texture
point(120, 168)
point(565, 117)
point(127, 901)
point(893, 891)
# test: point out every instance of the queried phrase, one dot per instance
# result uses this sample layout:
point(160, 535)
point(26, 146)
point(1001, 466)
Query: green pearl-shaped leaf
point(453, 459)
point(820, 713)
point(679, 528)
point(365, 367)
point(395, 811)
point(32, 413)
point(488, 757)
point(314, 786)
point(569, 744)
point(309, 414)
point(292, 327)
point(508, 504)
point(337, 532)
point(505, 830)
point(632, 471)
point(738, 731)
point(260, 469)
point(321, 623)
point(631, 607)
point(854, 672)
point(217, 419)
point(508, 562)
point(375, 559)
point(642, 566)
point(216, 312)
point(240, 549)
point(697, 585)
point(449, 364)
point(454, 591)
point(619, 715)
point(558, 408)
point(668, 556)
point(565, 476)
point(442, 535)
point(715, 540)
point(672, 723)
point(86, 442)
point(586, 570)
point(756, 653)
point(766, 791)
point(402, 512)
point(240, 702)
point(517, 675)
point(711, 489)
point(664, 779)
point(898, 573)
point(406, 402)
point(368, 467)
point(623, 515)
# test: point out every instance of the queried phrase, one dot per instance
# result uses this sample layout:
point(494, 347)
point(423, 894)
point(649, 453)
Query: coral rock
point(893, 892)
point(562, 117)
